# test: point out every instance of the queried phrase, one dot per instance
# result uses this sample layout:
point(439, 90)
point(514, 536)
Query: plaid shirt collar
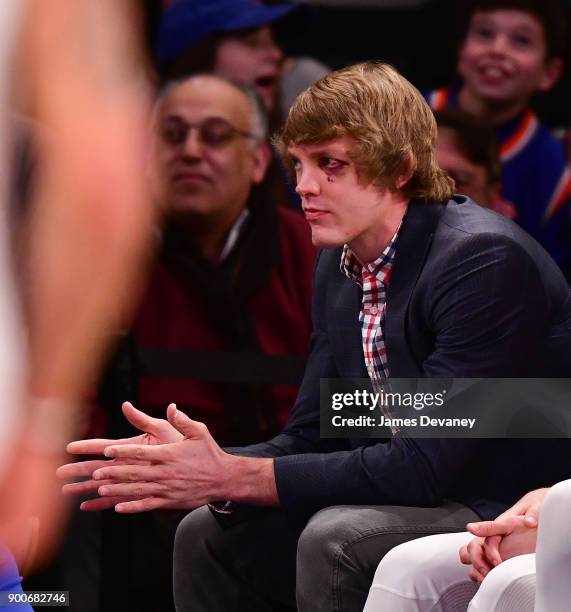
point(381, 268)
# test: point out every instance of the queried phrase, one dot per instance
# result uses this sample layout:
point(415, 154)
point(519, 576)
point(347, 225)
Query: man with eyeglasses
point(223, 328)
point(232, 285)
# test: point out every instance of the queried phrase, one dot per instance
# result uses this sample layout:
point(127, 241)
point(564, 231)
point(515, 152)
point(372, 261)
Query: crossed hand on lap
point(513, 533)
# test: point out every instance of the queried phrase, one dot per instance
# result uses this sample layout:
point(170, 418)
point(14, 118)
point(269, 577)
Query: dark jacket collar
point(419, 225)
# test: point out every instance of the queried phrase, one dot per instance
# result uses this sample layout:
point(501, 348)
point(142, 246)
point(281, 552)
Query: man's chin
point(323, 240)
point(189, 206)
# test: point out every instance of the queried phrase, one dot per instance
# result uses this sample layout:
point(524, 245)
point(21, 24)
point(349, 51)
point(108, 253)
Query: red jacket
point(222, 348)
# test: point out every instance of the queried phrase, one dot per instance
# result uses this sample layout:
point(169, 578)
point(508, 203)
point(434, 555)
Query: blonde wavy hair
point(386, 116)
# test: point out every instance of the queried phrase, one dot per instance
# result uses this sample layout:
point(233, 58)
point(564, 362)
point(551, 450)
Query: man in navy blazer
point(412, 282)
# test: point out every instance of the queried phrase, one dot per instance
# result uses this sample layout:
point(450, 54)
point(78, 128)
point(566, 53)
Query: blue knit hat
point(186, 22)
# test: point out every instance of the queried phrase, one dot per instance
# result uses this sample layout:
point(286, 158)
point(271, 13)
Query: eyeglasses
point(213, 132)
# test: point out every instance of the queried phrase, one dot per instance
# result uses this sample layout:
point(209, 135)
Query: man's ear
point(552, 71)
point(407, 170)
point(262, 158)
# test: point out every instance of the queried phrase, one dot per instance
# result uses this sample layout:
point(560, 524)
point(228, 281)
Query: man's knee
point(191, 534)
point(342, 539)
point(356, 536)
point(322, 537)
point(336, 558)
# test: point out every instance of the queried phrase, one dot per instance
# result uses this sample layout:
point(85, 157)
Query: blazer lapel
point(345, 336)
point(419, 225)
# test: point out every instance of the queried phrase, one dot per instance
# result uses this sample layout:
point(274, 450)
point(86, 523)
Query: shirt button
point(373, 310)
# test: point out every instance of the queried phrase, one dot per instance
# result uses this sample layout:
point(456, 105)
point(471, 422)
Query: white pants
point(426, 575)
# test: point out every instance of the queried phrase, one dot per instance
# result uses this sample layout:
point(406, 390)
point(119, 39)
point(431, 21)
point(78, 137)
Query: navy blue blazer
point(471, 295)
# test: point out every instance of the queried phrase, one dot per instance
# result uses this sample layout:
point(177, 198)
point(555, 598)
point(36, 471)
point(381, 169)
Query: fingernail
point(96, 476)
point(108, 452)
point(103, 490)
point(82, 506)
point(496, 562)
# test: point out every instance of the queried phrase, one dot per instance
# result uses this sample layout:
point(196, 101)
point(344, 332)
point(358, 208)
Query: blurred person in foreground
point(86, 237)
point(411, 282)
point(467, 149)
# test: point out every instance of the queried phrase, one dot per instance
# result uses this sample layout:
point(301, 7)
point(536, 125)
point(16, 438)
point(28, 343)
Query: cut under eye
point(330, 163)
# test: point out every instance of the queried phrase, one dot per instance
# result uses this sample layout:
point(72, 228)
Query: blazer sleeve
point(487, 312)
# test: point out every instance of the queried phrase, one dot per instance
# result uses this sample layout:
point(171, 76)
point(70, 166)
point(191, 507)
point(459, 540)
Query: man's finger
point(492, 550)
point(101, 503)
point(96, 446)
point(501, 526)
point(140, 452)
point(185, 425)
point(531, 521)
point(133, 473)
point(80, 469)
point(132, 489)
point(464, 555)
point(475, 576)
point(483, 529)
point(85, 487)
point(138, 419)
point(532, 515)
point(89, 447)
point(476, 552)
point(144, 505)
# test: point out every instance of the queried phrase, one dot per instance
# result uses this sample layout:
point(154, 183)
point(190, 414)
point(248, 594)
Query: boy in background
point(511, 50)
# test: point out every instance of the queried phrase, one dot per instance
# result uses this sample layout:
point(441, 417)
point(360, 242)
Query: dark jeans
point(262, 563)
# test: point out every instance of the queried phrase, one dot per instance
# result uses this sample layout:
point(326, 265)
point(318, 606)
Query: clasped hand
point(513, 533)
point(175, 463)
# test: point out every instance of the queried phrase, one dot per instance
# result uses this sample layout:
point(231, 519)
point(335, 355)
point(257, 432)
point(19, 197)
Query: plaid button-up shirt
point(373, 278)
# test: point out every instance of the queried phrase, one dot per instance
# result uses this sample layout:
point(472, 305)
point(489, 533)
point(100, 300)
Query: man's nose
point(193, 145)
point(307, 185)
